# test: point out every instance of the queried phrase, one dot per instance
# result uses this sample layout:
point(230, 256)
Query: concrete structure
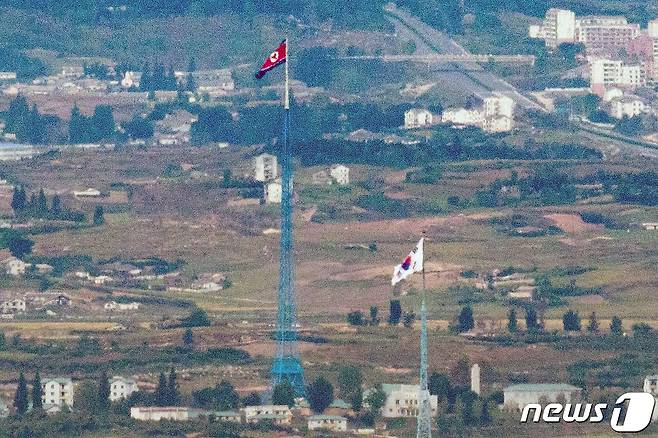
point(13, 306)
point(226, 416)
point(157, 413)
point(340, 174)
point(417, 118)
point(605, 34)
point(559, 27)
point(497, 124)
point(497, 104)
point(652, 28)
point(265, 168)
point(113, 305)
point(272, 192)
point(90, 193)
point(278, 414)
point(327, 422)
point(607, 73)
point(402, 401)
point(57, 391)
point(627, 106)
point(517, 396)
point(651, 386)
point(121, 388)
point(475, 379)
point(462, 116)
point(650, 226)
point(321, 178)
point(15, 266)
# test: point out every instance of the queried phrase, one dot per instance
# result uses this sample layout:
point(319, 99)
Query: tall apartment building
point(559, 27)
point(607, 72)
point(601, 34)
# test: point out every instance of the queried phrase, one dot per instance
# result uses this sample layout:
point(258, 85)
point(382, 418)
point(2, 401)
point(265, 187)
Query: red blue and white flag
point(412, 263)
point(275, 59)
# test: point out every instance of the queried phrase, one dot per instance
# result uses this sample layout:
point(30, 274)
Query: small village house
point(158, 413)
point(113, 305)
point(121, 388)
point(327, 422)
point(340, 174)
point(651, 386)
point(89, 193)
point(57, 392)
point(417, 118)
point(321, 178)
point(13, 306)
point(277, 414)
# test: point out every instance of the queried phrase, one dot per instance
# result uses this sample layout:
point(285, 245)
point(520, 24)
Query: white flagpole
point(286, 101)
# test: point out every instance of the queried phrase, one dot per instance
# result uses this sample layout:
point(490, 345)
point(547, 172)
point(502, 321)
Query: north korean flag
point(275, 59)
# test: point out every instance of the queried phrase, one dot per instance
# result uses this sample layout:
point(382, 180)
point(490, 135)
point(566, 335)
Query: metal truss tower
point(424, 421)
point(287, 365)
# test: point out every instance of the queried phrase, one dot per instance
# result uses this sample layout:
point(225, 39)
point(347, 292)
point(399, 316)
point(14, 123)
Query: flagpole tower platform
point(287, 365)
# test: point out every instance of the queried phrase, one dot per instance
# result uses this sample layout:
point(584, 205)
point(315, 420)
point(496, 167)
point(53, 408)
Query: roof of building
point(224, 413)
point(327, 417)
point(532, 387)
point(60, 380)
point(340, 404)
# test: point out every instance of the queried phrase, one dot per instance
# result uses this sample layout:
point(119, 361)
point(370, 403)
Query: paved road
point(469, 75)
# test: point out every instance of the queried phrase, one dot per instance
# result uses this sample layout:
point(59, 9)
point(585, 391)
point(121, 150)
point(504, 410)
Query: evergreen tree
point(173, 396)
point(21, 398)
point(571, 321)
point(190, 83)
point(161, 391)
point(485, 415)
point(78, 130)
point(3, 341)
point(19, 200)
point(593, 326)
point(37, 402)
point(103, 392)
point(374, 319)
point(99, 215)
point(511, 321)
point(320, 394)
point(465, 321)
point(191, 66)
point(394, 312)
point(283, 394)
point(103, 124)
point(56, 206)
point(42, 205)
point(188, 338)
point(252, 399)
point(438, 384)
point(616, 326)
point(531, 319)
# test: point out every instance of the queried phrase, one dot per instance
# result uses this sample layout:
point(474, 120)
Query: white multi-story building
point(402, 401)
point(497, 124)
point(121, 388)
point(497, 104)
point(417, 118)
point(607, 73)
point(57, 391)
point(157, 413)
point(516, 397)
point(559, 27)
point(272, 192)
point(265, 168)
point(627, 106)
point(340, 174)
point(651, 386)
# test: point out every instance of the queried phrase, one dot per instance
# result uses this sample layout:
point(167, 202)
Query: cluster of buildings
point(494, 114)
point(35, 301)
point(621, 56)
point(266, 170)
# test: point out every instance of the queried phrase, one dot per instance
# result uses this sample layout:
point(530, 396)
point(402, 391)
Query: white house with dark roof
point(403, 401)
point(516, 397)
point(121, 388)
